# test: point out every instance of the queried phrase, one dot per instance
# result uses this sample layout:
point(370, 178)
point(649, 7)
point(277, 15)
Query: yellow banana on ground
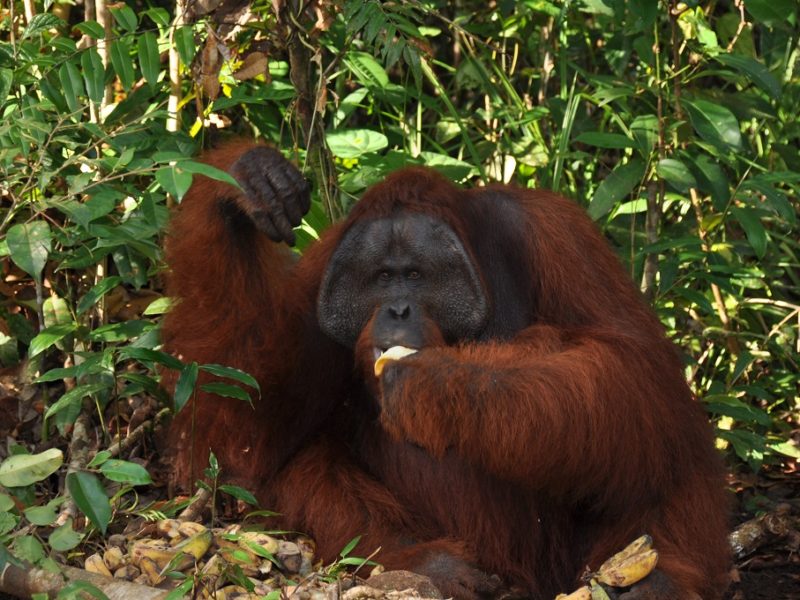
point(197, 545)
point(393, 353)
point(95, 564)
point(583, 593)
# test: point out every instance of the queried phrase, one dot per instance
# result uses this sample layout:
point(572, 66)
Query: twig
point(196, 506)
point(79, 458)
point(134, 436)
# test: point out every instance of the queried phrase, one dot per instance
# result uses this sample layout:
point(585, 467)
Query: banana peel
point(393, 353)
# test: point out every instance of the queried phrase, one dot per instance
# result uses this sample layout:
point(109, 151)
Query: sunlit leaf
point(24, 469)
point(29, 245)
point(619, 183)
point(352, 143)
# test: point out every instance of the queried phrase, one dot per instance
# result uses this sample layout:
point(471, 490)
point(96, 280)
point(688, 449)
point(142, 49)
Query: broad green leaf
point(352, 143)
point(159, 307)
point(123, 63)
point(42, 22)
point(149, 59)
point(99, 458)
point(148, 355)
point(71, 85)
point(605, 140)
point(185, 386)
point(125, 17)
point(29, 245)
point(25, 469)
point(97, 292)
point(40, 515)
point(28, 548)
point(644, 129)
point(8, 522)
point(74, 397)
point(91, 498)
point(49, 336)
point(715, 124)
point(64, 538)
point(125, 472)
point(711, 179)
point(91, 28)
point(6, 502)
point(174, 180)
point(231, 373)
point(120, 332)
point(6, 79)
point(184, 42)
point(771, 12)
point(787, 449)
point(366, 69)
point(754, 70)
point(225, 390)
point(676, 174)
point(94, 74)
point(182, 591)
point(198, 168)
point(239, 493)
point(619, 183)
point(753, 228)
point(56, 312)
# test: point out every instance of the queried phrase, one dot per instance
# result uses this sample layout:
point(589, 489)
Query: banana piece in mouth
point(393, 353)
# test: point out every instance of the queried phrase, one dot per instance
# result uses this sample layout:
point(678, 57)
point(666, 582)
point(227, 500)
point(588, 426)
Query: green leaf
point(352, 143)
point(350, 546)
point(367, 70)
point(79, 590)
point(159, 307)
point(149, 59)
point(94, 74)
point(771, 12)
point(787, 449)
point(29, 245)
point(28, 548)
point(91, 498)
point(231, 373)
point(123, 63)
point(74, 396)
point(25, 469)
point(185, 386)
point(676, 174)
point(226, 390)
point(41, 515)
point(711, 179)
point(184, 42)
point(755, 72)
point(619, 183)
point(182, 591)
point(198, 168)
point(64, 538)
point(6, 502)
point(8, 522)
point(715, 124)
point(71, 85)
point(49, 336)
point(148, 355)
point(125, 472)
point(97, 292)
point(6, 80)
point(753, 228)
point(239, 493)
point(125, 17)
point(605, 140)
point(99, 458)
point(91, 28)
point(120, 332)
point(42, 22)
point(174, 180)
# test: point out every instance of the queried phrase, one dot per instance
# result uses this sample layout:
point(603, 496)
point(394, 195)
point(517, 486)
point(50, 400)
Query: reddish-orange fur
point(531, 457)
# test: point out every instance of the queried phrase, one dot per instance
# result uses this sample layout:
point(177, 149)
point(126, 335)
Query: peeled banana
point(583, 593)
point(393, 353)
